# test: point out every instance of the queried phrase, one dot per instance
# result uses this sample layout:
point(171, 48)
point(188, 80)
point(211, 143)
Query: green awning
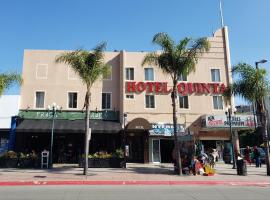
point(68, 126)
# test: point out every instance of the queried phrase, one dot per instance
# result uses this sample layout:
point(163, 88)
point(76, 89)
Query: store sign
point(160, 129)
point(223, 121)
point(183, 88)
point(41, 114)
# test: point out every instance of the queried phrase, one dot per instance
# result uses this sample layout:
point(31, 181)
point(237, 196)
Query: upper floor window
point(41, 71)
point(130, 73)
point(106, 100)
point(109, 75)
point(129, 96)
point(218, 102)
point(182, 77)
point(215, 75)
point(72, 99)
point(149, 101)
point(149, 74)
point(40, 99)
point(183, 102)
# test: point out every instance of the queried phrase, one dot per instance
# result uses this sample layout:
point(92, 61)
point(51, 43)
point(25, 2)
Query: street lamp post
point(262, 123)
point(229, 117)
point(125, 139)
point(52, 109)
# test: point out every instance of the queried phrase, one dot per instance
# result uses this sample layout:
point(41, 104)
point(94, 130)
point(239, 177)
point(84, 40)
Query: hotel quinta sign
point(183, 88)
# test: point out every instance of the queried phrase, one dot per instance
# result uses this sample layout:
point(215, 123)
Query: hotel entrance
point(161, 151)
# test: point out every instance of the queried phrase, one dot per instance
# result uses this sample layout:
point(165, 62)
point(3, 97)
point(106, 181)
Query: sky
point(128, 25)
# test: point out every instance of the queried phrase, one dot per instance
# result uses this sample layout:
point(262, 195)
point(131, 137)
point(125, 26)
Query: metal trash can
point(241, 167)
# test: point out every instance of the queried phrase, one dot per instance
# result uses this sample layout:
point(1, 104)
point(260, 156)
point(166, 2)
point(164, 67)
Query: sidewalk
point(146, 174)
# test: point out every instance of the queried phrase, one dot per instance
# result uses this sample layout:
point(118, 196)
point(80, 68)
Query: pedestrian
point(257, 155)
point(247, 152)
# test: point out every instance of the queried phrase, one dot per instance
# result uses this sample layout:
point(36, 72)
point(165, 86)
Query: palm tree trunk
point(86, 141)
point(176, 143)
point(264, 132)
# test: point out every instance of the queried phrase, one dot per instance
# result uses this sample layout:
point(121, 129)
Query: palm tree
point(175, 60)
point(253, 86)
point(8, 79)
point(90, 67)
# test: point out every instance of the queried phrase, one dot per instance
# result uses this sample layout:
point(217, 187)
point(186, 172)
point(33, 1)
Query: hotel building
point(133, 102)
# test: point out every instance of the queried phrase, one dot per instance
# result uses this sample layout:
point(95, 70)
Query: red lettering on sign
point(130, 86)
point(150, 86)
point(165, 88)
point(215, 87)
point(205, 87)
point(190, 88)
point(140, 87)
point(158, 87)
point(182, 88)
point(222, 88)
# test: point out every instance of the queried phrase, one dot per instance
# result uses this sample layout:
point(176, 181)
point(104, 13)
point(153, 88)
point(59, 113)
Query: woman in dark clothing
point(257, 154)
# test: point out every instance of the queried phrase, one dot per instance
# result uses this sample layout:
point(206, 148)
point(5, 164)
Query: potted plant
point(102, 159)
point(9, 160)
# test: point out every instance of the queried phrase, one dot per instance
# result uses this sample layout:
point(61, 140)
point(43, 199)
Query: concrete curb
point(104, 182)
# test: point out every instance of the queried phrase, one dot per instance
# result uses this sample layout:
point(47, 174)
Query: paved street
point(134, 192)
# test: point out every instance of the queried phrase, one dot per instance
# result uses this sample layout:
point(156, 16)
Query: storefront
point(161, 142)
point(220, 132)
point(35, 128)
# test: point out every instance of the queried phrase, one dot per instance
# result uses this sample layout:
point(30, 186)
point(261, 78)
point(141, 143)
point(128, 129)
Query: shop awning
point(68, 126)
point(138, 124)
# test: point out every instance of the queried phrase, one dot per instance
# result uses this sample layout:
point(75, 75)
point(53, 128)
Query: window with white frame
point(149, 101)
point(215, 75)
point(72, 99)
point(218, 102)
point(183, 102)
point(40, 99)
point(149, 74)
point(109, 75)
point(182, 77)
point(129, 96)
point(106, 101)
point(130, 73)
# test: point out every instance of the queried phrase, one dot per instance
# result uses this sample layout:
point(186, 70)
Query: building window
point(130, 74)
point(106, 101)
point(218, 103)
point(149, 101)
point(183, 102)
point(149, 74)
point(109, 75)
point(40, 99)
point(215, 74)
point(182, 77)
point(130, 96)
point(72, 99)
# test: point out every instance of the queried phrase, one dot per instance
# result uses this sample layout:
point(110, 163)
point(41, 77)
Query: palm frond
point(164, 41)
point(150, 58)
point(251, 83)
point(8, 79)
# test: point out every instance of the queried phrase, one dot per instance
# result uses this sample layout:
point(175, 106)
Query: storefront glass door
point(156, 151)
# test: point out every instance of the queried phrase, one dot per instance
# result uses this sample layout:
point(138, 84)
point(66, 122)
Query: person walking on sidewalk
point(257, 155)
point(247, 152)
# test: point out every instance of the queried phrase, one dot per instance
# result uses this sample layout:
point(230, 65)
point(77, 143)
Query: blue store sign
point(160, 129)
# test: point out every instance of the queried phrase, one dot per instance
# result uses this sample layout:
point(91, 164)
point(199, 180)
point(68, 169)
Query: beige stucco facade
point(41, 73)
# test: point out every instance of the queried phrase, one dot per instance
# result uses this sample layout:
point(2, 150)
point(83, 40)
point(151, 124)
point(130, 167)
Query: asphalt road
point(83, 192)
